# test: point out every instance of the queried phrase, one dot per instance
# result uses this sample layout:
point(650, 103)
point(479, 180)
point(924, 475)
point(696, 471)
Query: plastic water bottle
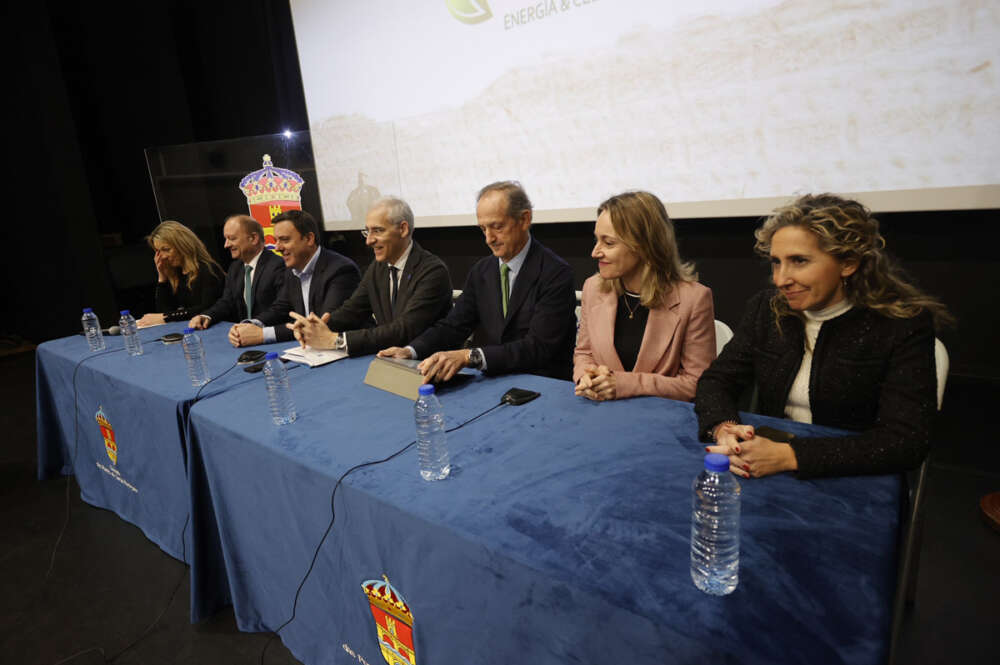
point(131, 333)
point(194, 355)
point(715, 528)
point(432, 446)
point(279, 395)
point(92, 329)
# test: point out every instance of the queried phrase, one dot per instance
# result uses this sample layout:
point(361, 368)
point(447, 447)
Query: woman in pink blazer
point(647, 327)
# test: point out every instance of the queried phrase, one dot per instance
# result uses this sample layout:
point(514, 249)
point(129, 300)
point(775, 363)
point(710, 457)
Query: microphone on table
point(113, 330)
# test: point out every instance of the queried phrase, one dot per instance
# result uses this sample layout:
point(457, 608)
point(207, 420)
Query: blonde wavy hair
point(193, 253)
point(847, 231)
point(642, 224)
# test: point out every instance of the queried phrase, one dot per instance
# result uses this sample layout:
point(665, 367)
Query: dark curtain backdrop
point(94, 84)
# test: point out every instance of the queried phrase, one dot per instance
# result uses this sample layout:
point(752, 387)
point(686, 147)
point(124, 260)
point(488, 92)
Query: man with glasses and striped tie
point(404, 290)
point(520, 302)
point(254, 279)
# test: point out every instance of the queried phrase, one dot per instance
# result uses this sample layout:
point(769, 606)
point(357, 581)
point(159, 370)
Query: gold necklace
point(631, 312)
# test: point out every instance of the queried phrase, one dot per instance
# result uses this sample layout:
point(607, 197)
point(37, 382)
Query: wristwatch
point(476, 358)
point(341, 342)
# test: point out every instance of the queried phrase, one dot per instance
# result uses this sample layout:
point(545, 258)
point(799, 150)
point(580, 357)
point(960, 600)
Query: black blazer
point(186, 302)
point(870, 373)
point(334, 279)
point(424, 297)
point(539, 332)
point(268, 278)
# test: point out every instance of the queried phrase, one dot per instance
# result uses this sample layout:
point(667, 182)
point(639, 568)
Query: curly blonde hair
point(847, 231)
point(641, 222)
point(193, 253)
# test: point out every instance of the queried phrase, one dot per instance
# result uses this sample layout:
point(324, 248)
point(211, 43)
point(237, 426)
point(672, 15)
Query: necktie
point(247, 282)
point(394, 272)
point(505, 286)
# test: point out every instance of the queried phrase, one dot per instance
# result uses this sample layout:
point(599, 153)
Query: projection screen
point(721, 108)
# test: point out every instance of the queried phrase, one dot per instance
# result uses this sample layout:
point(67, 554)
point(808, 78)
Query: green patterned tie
point(246, 288)
point(505, 286)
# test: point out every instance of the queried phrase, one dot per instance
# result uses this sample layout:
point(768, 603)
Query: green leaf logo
point(469, 11)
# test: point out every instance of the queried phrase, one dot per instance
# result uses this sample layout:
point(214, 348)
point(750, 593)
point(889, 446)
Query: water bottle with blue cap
point(715, 528)
point(130, 331)
point(432, 445)
point(279, 393)
point(194, 355)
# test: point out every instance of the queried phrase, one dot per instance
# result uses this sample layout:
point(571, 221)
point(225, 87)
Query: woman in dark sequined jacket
point(843, 340)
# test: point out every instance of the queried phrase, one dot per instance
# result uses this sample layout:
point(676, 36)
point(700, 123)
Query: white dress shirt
point(305, 277)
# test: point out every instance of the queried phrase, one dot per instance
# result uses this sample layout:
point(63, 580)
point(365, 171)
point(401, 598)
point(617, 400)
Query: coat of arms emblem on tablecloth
point(108, 432)
point(393, 621)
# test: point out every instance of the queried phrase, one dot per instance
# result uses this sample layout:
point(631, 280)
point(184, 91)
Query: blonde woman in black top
point(189, 280)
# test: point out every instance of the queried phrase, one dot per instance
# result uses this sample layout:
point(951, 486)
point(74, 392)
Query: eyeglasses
point(377, 231)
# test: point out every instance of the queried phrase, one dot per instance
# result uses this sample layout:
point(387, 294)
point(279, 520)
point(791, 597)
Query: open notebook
point(312, 357)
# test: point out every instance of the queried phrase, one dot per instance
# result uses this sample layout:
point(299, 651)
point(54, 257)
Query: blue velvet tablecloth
point(145, 400)
point(561, 536)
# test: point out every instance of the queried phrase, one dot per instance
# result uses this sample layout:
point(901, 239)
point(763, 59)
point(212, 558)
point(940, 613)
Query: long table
point(118, 423)
point(562, 534)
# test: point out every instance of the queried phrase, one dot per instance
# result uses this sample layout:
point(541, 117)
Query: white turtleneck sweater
point(797, 406)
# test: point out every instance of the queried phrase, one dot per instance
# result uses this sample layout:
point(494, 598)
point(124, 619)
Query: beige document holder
point(395, 376)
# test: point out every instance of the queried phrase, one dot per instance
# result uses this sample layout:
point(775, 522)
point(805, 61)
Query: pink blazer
point(678, 345)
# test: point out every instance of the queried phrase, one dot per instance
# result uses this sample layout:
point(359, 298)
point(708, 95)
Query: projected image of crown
point(384, 596)
point(272, 184)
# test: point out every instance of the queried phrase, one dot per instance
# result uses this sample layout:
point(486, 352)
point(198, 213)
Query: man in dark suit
point(520, 302)
point(405, 289)
point(316, 280)
point(254, 279)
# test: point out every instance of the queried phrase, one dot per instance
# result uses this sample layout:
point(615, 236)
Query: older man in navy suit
point(519, 301)
point(255, 277)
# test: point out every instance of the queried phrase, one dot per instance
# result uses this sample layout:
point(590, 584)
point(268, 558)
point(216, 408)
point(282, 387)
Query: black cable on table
point(333, 517)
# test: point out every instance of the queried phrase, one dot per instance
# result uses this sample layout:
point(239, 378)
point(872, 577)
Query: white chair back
point(941, 364)
point(723, 334)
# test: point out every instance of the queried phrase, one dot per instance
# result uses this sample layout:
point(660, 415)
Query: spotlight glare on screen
point(287, 133)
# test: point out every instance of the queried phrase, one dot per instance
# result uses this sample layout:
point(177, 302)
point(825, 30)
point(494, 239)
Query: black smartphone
point(773, 434)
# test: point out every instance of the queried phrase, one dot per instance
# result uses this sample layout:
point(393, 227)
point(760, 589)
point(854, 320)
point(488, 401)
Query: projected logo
point(469, 11)
point(108, 434)
point(393, 621)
